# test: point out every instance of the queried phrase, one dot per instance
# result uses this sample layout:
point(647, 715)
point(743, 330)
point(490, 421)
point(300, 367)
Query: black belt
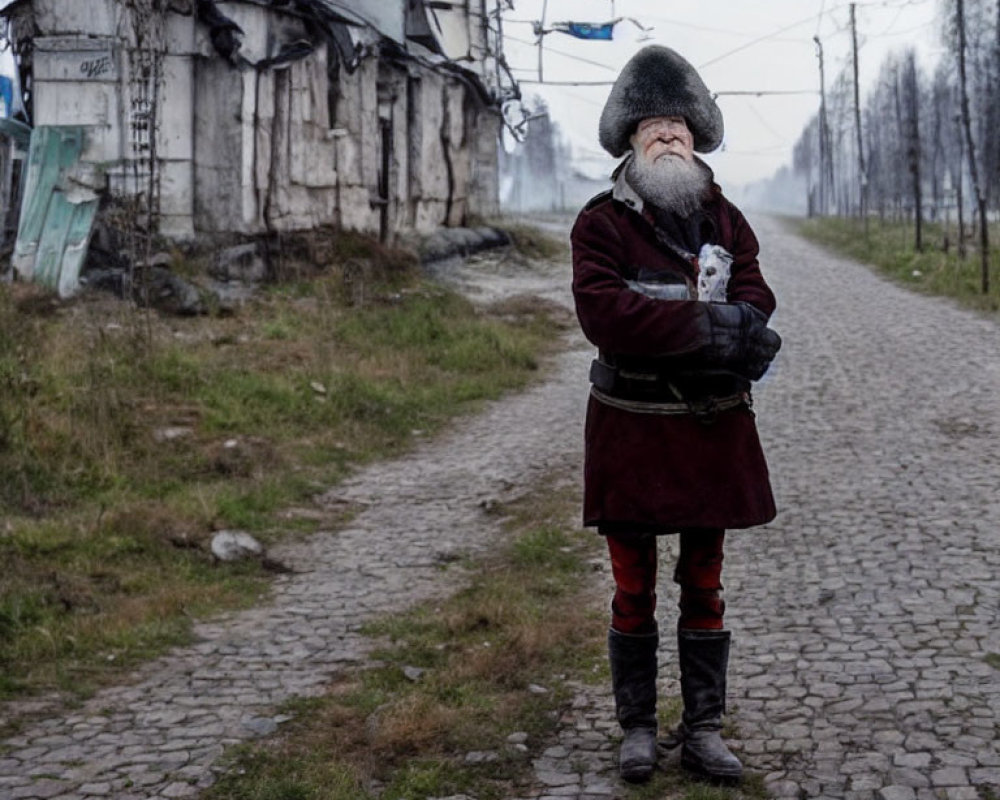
point(648, 392)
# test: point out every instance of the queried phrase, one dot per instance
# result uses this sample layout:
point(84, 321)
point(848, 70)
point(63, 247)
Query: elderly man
point(671, 443)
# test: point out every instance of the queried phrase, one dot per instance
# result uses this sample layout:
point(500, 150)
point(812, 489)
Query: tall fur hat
point(659, 82)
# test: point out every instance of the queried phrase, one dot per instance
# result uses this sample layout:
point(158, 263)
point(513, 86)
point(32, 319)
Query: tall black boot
point(633, 678)
point(704, 658)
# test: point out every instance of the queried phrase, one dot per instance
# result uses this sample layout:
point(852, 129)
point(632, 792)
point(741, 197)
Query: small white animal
point(713, 273)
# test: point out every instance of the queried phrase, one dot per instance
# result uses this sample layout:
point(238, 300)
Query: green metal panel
point(56, 222)
point(75, 249)
point(59, 247)
point(50, 148)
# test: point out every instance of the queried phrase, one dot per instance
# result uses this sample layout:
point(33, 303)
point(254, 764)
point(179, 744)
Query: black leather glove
point(739, 339)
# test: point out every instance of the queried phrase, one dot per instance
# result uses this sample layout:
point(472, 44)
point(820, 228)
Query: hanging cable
point(563, 53)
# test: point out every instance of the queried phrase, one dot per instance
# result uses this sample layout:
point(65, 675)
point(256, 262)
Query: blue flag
point(586, 30)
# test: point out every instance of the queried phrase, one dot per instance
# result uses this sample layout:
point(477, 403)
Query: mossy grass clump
point(889, 246)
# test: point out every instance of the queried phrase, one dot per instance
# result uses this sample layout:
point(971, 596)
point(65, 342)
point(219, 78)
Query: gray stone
point(914, 760)
point(897, 793)
point(235, 546)
point(95, 789)
point(240, 263)
point(179, 789)
point(480, 757)
point(950, 776)
point(261, 726)
point(164, 290)
point(40, 789)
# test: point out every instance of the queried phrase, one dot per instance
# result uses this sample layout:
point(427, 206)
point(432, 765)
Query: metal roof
point(389, 19)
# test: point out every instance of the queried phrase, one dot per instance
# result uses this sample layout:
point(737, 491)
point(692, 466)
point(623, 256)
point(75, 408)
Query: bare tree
point(940, 113)
point(910, 100)
point(862, 176)
point(984, 236)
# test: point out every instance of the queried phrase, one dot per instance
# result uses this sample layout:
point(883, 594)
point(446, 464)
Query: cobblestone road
point(865, 617)
point(867, 614)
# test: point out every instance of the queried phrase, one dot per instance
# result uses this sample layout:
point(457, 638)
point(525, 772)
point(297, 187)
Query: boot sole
point(636, 774)
point(726, 778)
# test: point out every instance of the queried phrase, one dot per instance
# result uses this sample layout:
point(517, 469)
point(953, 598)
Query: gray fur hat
point(659, 82)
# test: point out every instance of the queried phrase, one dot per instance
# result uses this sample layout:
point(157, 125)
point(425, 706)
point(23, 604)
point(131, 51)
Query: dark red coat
point(652, 471)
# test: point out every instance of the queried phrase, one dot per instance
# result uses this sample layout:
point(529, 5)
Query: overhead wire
point(767, 125)
point(818, 17)
point(563, 53)
point(887, 34)
point(752, 42)
point(767, 37)
point(566, 83)
point(895, 19)
point(697, 27)
point(823, 13)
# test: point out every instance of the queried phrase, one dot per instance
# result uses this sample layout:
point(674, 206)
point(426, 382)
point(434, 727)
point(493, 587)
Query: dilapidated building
point(255, 116)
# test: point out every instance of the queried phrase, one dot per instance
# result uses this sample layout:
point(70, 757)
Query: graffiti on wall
point(94, 68)
point(75, 59)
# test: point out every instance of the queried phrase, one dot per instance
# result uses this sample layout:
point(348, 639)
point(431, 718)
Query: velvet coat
point(655, 472)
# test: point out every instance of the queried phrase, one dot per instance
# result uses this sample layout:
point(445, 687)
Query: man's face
point(657, 137)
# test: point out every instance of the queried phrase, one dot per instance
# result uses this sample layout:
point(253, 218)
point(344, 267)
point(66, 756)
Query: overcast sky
point(737, 45)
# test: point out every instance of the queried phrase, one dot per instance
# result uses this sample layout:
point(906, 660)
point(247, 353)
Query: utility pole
point(541, 40)
point(825, 160)
point(862, 177)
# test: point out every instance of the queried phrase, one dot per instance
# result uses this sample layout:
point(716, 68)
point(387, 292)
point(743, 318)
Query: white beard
point(669, 183)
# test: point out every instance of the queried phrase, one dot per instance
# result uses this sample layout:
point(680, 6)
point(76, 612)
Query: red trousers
point(698, 572)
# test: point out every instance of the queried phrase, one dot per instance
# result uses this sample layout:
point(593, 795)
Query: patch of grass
point(79, 601)
point(677, 785)
point(993, 659)
point(668, 712)
point(394, 732)
point(126, 439)
point(533, 243)
point(889, 246)
point(271, 775)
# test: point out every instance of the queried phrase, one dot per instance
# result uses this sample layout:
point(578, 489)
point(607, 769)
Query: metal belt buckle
point(705, 411)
